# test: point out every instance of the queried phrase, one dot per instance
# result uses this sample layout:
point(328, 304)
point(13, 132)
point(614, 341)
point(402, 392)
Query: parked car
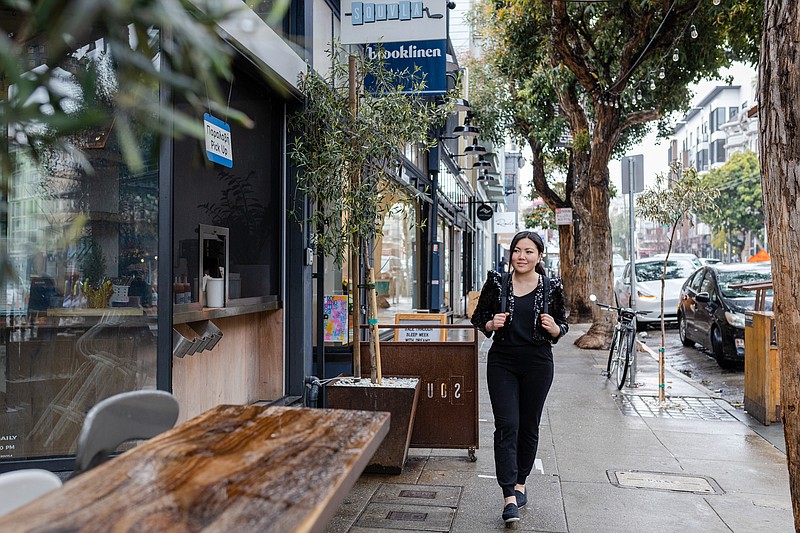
point(696, 261)
point(710, 260)
point(648, 287)
point(711, 311)
point(618, 265)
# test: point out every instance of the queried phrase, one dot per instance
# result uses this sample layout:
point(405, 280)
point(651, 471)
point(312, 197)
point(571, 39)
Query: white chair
point(23, 486)
point(126, 416)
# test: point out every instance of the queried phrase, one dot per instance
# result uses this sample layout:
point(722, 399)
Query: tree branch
point(639, 117)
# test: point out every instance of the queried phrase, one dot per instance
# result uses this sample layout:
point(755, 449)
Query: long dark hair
point(537, 240)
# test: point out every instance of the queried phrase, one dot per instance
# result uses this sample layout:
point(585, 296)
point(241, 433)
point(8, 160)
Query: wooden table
point(231, 469)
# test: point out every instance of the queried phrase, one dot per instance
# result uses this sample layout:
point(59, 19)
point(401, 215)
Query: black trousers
point(519, 380)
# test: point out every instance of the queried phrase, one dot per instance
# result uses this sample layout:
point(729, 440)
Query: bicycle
point(623, 342)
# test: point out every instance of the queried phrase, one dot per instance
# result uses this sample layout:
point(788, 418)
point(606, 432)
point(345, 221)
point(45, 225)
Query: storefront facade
point(106, 265)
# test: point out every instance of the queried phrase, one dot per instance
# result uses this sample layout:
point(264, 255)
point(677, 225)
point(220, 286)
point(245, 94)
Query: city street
point(698, 364)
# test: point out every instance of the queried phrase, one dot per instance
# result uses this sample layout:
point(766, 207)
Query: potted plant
point(348, 151)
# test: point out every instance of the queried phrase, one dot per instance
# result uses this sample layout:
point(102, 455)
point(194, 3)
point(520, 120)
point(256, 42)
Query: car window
point(696, 279)
point(708, 284)
point(726, 279)
point(651, 271)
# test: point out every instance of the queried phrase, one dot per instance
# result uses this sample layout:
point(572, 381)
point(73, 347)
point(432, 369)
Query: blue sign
point(429, 56)
point(219, 147)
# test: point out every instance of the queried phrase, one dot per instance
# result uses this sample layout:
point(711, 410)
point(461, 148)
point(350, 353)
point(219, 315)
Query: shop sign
point(505, 222)
point(393, 21)
point(563, 216)
point(219, 148)
point(484, 212)
point(425, 59)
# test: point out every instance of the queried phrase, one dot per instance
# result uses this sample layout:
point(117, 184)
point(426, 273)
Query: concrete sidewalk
point(609, 461)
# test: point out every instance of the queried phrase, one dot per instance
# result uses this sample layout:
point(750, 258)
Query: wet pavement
point(699, 365)
point(608, 461)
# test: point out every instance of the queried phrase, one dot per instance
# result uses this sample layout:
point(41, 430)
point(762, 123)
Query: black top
point(518, 333)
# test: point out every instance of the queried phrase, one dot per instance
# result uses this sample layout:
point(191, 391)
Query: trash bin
point(762, 376)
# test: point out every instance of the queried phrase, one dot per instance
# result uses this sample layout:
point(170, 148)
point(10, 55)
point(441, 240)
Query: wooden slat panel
point(245, 366)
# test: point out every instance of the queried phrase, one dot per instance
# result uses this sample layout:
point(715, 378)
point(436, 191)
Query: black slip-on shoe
point(522, 498)
point(510, 513)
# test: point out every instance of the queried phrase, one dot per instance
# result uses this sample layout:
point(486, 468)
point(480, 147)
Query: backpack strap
point(504, 291)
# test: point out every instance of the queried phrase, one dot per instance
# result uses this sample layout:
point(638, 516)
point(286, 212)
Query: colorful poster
point(335, 309)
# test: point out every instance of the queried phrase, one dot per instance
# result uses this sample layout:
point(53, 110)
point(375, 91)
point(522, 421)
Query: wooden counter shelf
point(232, 468)
point(195, 313)
point(100, 311)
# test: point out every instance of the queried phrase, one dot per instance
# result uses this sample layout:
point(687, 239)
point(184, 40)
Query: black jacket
point(489, 305)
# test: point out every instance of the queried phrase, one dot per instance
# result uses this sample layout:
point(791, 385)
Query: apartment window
point(701, 160)
point(718, 151)
point(733, 112)
point(717, 118)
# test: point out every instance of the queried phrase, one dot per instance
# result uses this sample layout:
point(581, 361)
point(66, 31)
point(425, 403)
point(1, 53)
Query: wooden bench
point(232, 468)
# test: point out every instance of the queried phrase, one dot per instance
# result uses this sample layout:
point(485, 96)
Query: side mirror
point(592, 298)
point(702, 297)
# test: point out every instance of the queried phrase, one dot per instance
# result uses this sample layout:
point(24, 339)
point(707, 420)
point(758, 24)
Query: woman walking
point(524, 313)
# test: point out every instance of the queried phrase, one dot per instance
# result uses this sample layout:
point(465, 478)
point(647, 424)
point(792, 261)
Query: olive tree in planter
point(669, 203)
point(348, 150)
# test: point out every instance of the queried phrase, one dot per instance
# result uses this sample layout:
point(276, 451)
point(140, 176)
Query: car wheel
point(682, 332)
point(716, 348)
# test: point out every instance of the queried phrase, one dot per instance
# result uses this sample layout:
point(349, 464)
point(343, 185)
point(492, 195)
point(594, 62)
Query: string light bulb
point(693, 31)
point(716, 2)
point(639, 94)
point(652, 85)
point(675, 55)
point(661, 74)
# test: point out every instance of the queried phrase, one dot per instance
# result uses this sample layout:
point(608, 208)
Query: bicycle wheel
point(624, 357)
point(611, 352)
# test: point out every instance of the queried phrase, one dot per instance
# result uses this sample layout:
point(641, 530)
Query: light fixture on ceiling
point(467, 130)
point(461, 104)
point(481, 163)
point(475, 148)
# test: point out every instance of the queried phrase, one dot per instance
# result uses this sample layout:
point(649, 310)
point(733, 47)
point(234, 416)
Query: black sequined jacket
point(489, 305)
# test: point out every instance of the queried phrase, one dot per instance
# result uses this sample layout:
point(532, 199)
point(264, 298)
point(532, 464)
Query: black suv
point(711, 313)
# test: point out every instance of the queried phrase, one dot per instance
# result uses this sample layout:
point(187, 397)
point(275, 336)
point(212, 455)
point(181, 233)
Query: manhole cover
point(411, 507)
point(408, 517)
point(408, 494)
point(635, 479)
point(676, 407)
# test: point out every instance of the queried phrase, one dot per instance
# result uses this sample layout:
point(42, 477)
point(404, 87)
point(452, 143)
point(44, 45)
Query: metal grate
point(686, 408)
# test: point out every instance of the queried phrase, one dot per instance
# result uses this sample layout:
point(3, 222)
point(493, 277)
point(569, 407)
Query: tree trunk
point(566, 260)
point(593, 264)
point(779, 117)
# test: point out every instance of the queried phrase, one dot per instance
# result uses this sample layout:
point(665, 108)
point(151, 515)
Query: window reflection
point(77, 299)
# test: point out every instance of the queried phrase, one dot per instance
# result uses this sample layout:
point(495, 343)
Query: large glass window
point(77, 298)
point(245, 198)
point(395, 262)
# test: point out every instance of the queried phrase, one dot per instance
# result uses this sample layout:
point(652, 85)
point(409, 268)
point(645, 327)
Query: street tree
point(779, 119)
point(605, 69)
point(669, 203)
point(737, 210)
point(348, 144)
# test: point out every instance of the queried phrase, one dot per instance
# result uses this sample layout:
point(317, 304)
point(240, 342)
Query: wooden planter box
point(399, 401)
